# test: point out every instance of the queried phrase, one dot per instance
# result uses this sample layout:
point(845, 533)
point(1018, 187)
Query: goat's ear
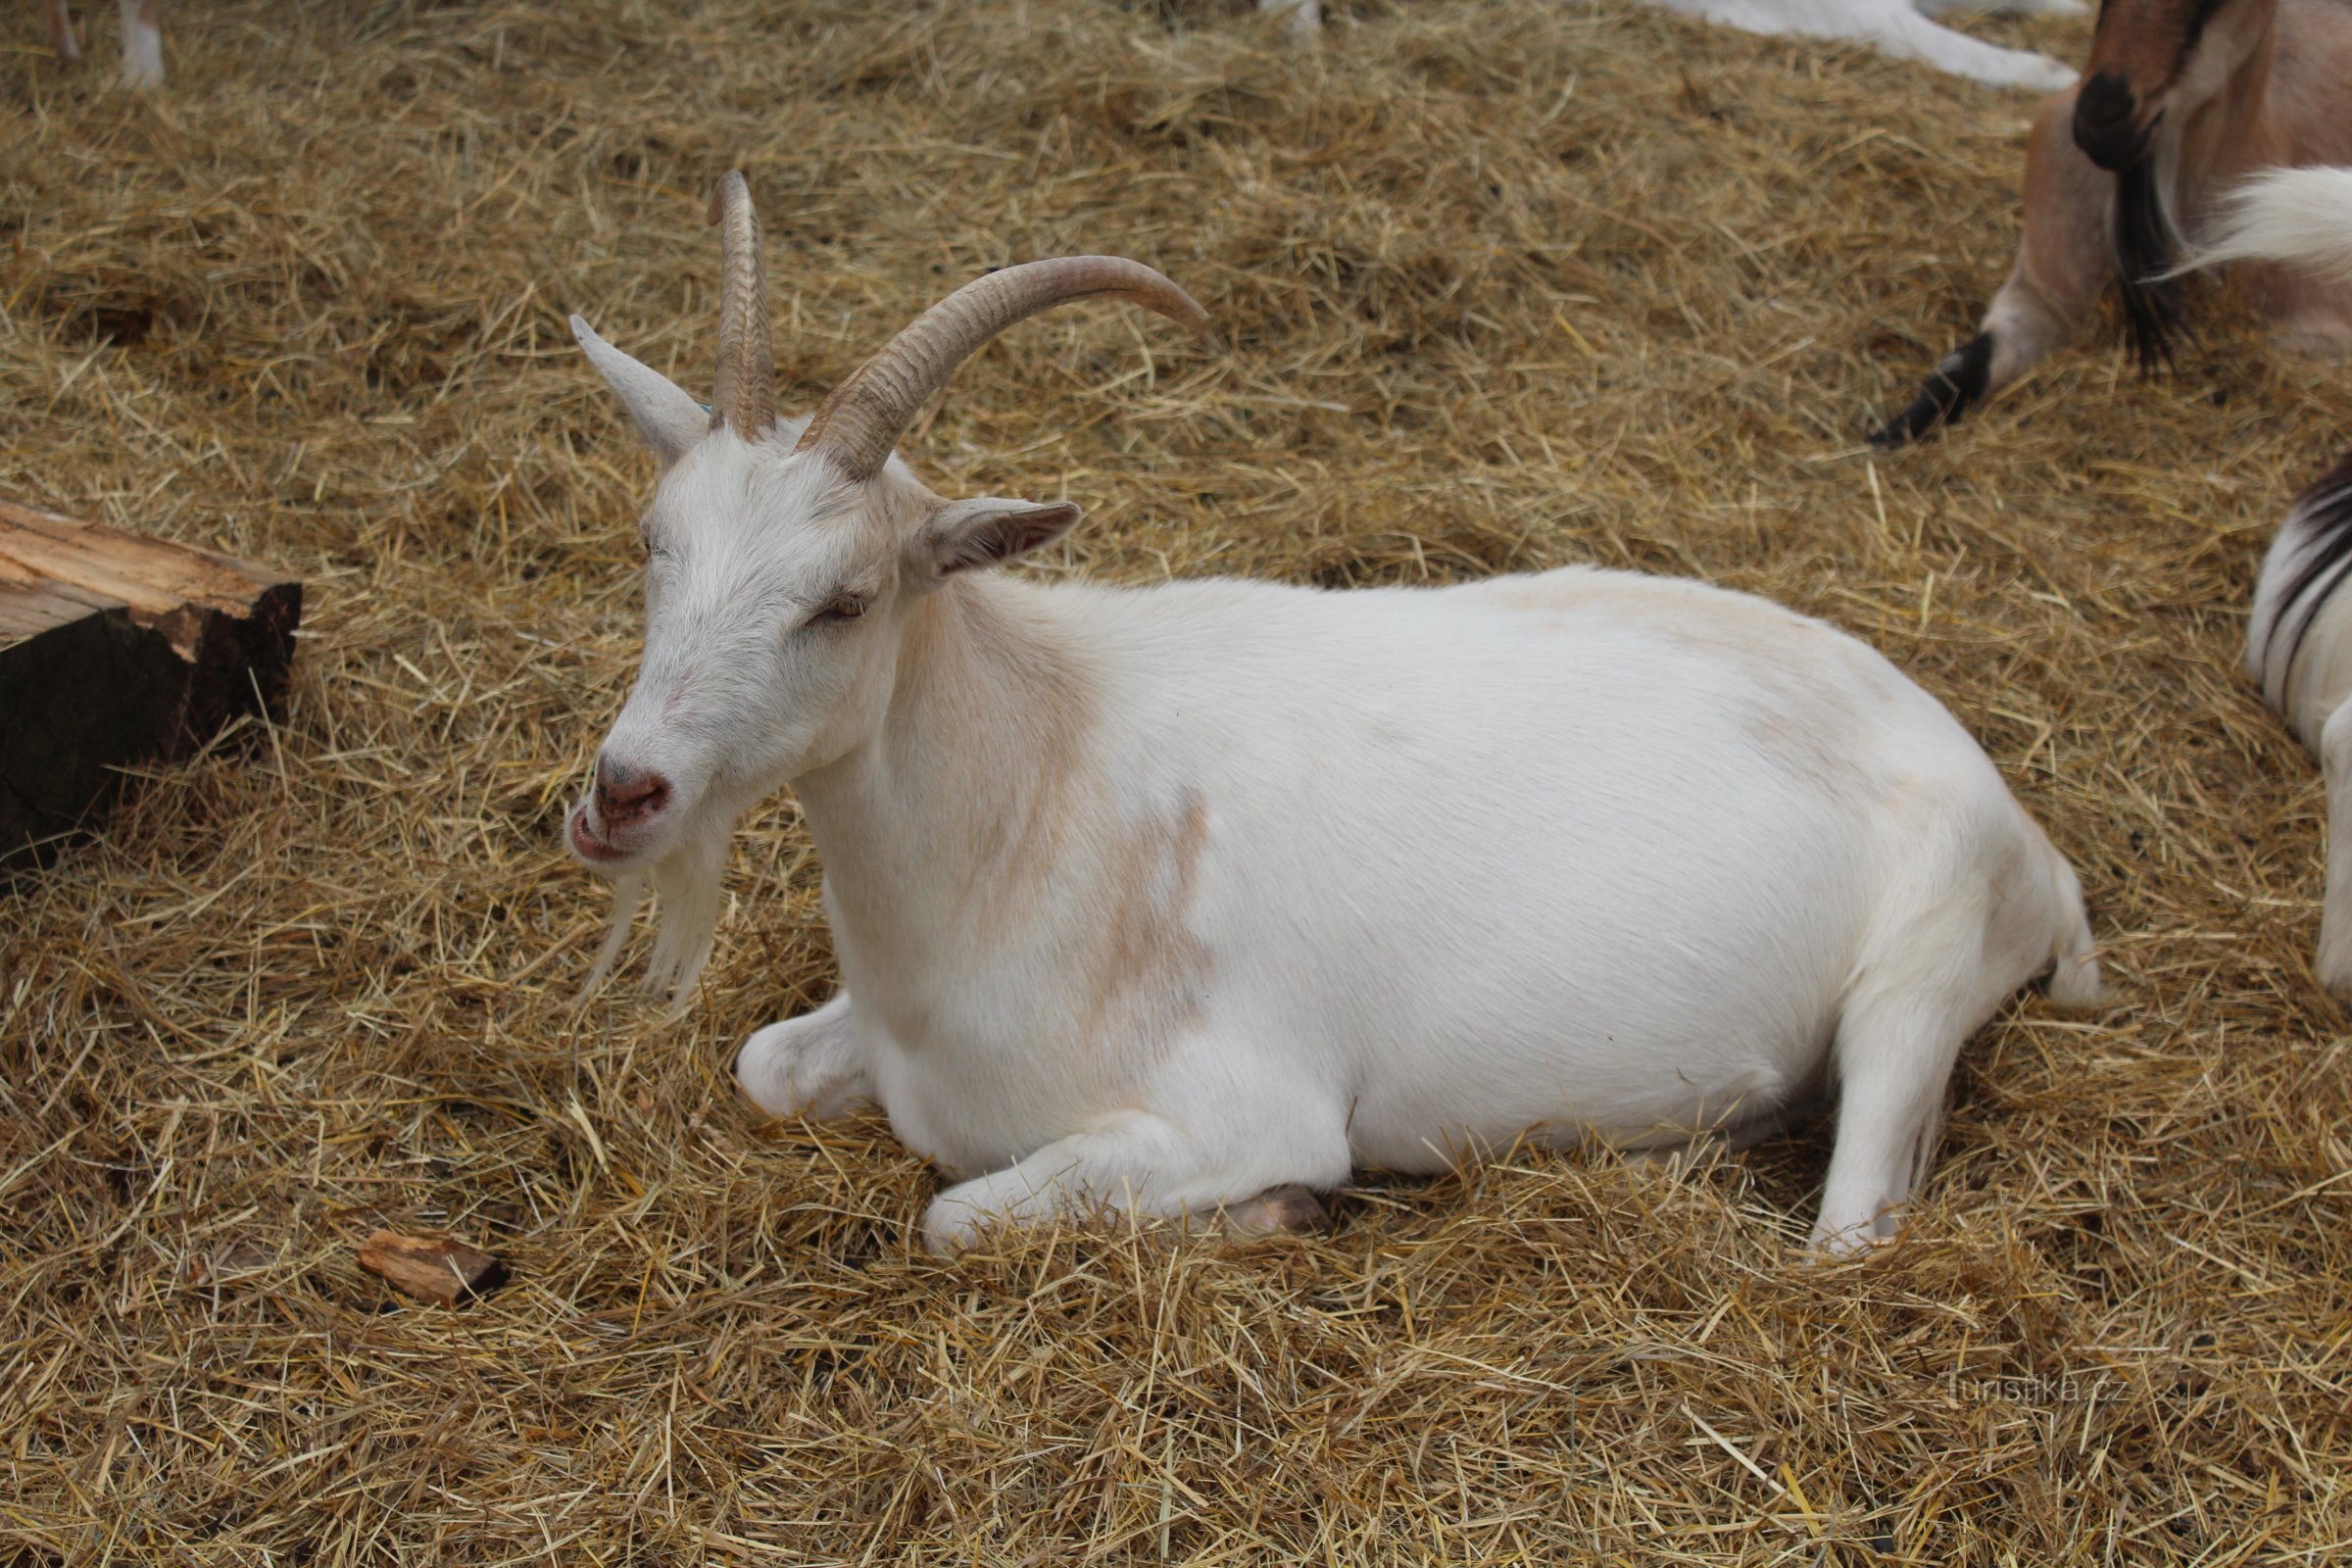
point(669, 420)
point(984, 530)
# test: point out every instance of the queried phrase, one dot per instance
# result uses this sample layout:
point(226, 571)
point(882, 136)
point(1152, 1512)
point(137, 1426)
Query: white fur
point(1163, 898)
point(2299, 216)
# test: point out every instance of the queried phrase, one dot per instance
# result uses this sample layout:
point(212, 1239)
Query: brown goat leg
point(2063, 264)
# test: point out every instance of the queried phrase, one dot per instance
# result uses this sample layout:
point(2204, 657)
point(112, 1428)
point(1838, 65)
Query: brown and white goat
point(142, 39)
point(2180, 99)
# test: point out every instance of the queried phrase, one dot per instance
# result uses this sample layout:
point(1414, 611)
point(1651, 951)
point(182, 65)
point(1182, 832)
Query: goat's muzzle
point(2108, 126)
point(610, 826)
point(626, 794)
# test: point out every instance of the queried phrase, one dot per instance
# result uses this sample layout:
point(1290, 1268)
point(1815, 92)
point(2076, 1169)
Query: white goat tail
point(2300, 217)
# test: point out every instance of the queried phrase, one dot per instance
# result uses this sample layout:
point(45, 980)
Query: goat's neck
point(958, 804)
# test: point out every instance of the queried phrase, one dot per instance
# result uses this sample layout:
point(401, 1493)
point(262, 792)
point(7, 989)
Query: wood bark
point(434, 1268)
point(117, 649)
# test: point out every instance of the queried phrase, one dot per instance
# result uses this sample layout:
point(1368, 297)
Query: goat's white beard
point(2168, 179)
point(687, 883)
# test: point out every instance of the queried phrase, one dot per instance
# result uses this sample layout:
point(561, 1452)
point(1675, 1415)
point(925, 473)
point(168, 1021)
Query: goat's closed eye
point(840, 608)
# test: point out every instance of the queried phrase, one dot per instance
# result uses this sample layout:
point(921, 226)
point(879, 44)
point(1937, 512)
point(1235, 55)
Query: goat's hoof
point(1277, 1208)
point(801, 1067)
point(1844, 1244)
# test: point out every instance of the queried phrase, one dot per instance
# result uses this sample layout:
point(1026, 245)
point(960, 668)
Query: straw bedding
point(1494, 286)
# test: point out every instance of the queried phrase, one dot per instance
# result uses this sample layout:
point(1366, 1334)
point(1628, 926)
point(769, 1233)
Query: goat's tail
point(2074, 981)
point(2300, 217)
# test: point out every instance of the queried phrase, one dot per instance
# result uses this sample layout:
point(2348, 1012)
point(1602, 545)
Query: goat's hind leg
point(807, 1066)
point(1937, 965)
point(1894, 1054)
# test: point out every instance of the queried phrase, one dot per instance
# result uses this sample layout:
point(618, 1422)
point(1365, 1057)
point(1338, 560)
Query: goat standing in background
point(2299, 637)
point(142, 39)
point(1187, 898)
point(2179, 98)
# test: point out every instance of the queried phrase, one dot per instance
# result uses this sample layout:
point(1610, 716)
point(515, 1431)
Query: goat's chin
point(683, 868)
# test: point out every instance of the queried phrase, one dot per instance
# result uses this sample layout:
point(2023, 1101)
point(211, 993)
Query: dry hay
point(1494, 286)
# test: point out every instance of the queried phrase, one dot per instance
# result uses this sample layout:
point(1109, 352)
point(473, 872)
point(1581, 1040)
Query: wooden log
point(436, 1269)
point(118, 650)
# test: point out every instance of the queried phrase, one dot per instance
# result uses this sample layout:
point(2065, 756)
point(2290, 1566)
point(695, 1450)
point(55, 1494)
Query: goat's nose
point(2104, 111)
point(623, 793)
point(2105, 100)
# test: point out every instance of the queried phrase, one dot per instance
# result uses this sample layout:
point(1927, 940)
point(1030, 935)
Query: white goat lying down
point(2299, 638)
point(1186, 898)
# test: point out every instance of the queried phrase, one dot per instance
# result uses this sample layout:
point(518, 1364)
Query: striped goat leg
point(2299, 652)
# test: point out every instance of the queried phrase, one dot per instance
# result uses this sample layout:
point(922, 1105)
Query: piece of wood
point(117, 649)
point(435, 1268)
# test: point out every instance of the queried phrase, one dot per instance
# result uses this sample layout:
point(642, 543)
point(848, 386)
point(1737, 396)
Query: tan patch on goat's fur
point(1144, 971)
point(1813, 741)
point(1808, 727)
point(1704, 622)
point(1040, 756)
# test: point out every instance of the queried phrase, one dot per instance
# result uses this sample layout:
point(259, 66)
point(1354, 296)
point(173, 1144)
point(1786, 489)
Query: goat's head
point(784, 556)
point(2150, 59)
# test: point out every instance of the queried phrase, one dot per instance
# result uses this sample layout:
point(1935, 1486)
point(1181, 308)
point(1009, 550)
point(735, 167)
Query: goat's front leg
point(807, 1066)
point(2064, 263)
point(2336, 915)
point(1260, 1175)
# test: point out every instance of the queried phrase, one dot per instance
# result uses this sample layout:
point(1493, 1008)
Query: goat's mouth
point(598, 850)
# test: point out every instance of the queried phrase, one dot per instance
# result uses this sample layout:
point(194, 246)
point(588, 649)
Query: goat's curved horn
point(745, 397)
point(867, 414)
